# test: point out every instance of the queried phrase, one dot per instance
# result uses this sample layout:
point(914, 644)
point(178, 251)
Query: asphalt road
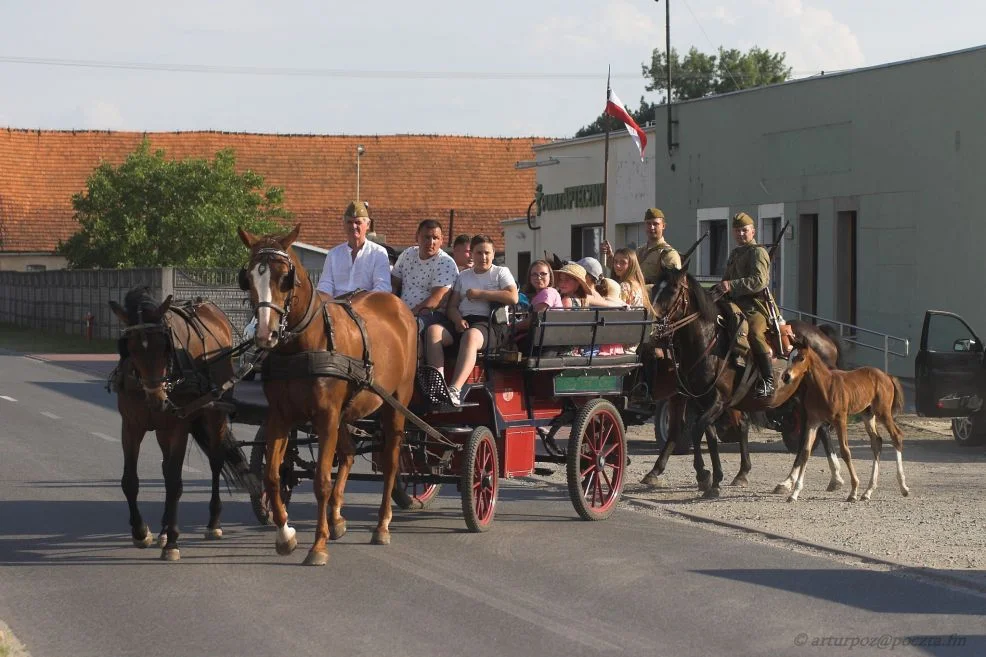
point(540, 583)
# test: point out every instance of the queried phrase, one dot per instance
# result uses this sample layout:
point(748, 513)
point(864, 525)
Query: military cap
point(653, 213)
point(741, 219)
point(356, 209)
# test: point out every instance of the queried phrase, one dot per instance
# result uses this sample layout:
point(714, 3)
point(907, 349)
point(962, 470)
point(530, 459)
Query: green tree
point(154, 212)
point(698, 75)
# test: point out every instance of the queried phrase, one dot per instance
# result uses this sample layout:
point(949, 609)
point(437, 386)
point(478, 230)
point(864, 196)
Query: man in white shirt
point(424, 274)
point(358, 263)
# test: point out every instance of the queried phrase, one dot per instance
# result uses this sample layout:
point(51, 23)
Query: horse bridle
point(263, 258)
point(155, 383)
point(664, 327)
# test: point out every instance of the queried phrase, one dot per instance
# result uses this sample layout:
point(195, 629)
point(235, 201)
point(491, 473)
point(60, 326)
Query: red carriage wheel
point(410, 494)
point(479, 483)
point(597, 456)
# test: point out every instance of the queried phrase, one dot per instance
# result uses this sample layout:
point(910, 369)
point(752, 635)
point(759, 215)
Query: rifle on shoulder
point(774, 313)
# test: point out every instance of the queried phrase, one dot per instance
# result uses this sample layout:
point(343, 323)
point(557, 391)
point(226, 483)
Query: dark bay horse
point(171, 356)
point(830, 396)
point(294, 321)
point(687, 316)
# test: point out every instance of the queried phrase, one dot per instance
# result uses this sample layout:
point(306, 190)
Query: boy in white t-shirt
point(469, 309)
point(423, 276)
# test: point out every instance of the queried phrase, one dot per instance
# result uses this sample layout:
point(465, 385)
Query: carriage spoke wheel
point(258, 466)
point(597, 456)
point(410, 494)
point(479, 483)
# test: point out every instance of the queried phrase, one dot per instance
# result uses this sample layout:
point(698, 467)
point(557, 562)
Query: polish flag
point(615, 109)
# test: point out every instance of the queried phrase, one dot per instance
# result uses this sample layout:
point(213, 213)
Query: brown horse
point(171, 357)
point(295, 321)
point(687, 322)
point(830, 396)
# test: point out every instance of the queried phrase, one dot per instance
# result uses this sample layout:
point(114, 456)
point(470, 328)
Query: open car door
point(949, 376)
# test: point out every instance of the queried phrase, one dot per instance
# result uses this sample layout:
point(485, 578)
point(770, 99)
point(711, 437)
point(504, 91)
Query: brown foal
point(830, 396)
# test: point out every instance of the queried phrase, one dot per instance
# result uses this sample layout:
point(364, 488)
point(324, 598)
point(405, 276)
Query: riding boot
point(765, 388)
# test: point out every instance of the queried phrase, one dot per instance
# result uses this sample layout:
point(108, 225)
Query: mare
point(171, 356)
point(299, 328)
point(688, 328)
point(830, 396)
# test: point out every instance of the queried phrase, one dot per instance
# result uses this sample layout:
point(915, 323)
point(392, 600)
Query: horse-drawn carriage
point(513, 401)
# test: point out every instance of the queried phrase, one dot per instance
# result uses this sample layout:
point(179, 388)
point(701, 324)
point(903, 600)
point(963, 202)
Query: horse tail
point(833, 335)
point(236, 468)
point(898, 404)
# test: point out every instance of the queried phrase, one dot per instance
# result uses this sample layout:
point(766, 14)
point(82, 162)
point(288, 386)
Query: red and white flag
point(615, 109)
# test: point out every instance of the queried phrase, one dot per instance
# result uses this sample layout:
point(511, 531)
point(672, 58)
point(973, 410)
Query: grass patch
point(28, 340)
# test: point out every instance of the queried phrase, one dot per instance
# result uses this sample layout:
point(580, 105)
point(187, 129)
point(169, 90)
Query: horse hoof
point(905, 492)
point(865, 497)
point(144, 542)
point(337, 530)
point(851, 498)
point(380, 538)
point(792, 499)
point(740, 481)
point(781, 488)
point(286, 548)
point(213, 534)
point(834, 486)
point(316, 558)
point(162, 540)
point(712, 493)
point(170, 554)
point(651, 480)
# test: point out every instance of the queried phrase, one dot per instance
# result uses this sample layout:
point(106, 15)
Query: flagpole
point(606, 166)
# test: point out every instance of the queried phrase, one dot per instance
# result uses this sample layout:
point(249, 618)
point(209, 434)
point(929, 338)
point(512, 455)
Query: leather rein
point(284, 333)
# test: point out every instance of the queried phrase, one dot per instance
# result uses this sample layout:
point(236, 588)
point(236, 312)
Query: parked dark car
point(950, 376)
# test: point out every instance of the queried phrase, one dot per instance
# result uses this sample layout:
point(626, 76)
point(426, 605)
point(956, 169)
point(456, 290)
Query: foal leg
point(897, 436)
point(836, 482)
point(337, 524)
point(840, 428)
point(801, 463)
point(132, 435)
point(876, 445)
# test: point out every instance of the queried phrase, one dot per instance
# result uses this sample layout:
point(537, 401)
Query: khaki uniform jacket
point(748, 273)
point(656, 255)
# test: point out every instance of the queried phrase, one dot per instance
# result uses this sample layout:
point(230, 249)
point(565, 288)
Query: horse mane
point(703, 300)
point(139, 305)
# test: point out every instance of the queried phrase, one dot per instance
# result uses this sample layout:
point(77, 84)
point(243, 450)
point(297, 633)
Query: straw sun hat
point(576, 271)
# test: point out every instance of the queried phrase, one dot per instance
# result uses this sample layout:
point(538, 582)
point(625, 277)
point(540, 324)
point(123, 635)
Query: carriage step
point(544, 472)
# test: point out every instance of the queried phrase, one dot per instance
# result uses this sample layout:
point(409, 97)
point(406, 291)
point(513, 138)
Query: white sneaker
point(453, 394)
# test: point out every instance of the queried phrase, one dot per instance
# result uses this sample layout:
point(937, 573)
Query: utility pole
point(359, 153)
point(667, 61)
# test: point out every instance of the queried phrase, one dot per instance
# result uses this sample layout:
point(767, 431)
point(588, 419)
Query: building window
point(523, 264)
point(36, 268)
point(715, 250)
point(586, 241)
point(632, 236)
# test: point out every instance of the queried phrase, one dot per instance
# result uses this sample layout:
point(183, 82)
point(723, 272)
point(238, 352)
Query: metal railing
point(849, 332)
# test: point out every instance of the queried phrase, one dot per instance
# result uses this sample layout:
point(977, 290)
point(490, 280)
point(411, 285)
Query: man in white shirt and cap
point(358, 263)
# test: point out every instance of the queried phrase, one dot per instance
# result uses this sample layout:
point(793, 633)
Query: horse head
point(271, 275)
point(146, 340)
point(678, 299)
point(800, 362)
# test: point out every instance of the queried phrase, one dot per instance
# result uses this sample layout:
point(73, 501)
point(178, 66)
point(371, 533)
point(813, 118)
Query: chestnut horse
point(171, 356)
point(830, 396)
point(295, 321)
point(687, 322)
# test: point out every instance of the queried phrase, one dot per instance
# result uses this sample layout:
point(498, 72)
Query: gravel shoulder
point(939, 528)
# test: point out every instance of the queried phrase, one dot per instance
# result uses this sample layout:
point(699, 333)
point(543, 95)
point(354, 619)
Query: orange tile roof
point(405, 178)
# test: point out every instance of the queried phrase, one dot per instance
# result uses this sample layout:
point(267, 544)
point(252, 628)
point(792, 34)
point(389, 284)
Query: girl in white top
point(469, 306)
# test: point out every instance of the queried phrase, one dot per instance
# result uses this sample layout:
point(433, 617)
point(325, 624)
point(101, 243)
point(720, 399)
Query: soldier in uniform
point(747, 275)
point(657, 254)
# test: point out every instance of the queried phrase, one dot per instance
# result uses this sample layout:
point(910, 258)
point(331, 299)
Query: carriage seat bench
point(558, 330)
